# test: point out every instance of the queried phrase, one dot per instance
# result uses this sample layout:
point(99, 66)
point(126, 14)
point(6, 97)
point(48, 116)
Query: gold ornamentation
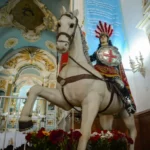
point(50, 21)
point(5, 17)
point(31, 56)
point(3, 84)
point(27, 15)
point(48, 65)
point(13, 62)
point(50, 45)
point(52, 85)
point(11, 42)
point(12, 122)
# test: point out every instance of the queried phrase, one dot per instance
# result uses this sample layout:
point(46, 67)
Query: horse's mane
point(84, 43)
point(85, 47)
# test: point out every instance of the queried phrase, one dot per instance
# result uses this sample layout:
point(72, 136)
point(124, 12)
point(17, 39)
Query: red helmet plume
point(103, 28)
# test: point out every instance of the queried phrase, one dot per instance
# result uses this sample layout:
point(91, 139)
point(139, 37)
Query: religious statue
point(108, 63)
point(80, 85)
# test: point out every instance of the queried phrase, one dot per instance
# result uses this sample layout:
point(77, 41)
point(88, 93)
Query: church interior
point(28, 57)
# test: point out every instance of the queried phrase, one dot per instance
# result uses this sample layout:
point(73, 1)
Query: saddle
point(112, 87)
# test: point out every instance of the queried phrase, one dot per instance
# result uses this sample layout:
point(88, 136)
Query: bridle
point(70, 37)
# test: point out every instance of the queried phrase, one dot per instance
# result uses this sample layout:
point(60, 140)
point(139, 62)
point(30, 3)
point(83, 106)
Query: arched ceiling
point(26, 23)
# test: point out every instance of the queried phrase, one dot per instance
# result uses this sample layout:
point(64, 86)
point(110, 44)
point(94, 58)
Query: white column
point(79, 4)
point(71, 5)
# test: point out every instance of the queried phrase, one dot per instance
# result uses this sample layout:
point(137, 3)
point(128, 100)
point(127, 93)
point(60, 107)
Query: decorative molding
point(144, 2)
point(50, 45)
point(10, 43)
point(6, 19)
point(29, 79)
point(144, 24)
point(31, 36)
point(145, 6)
point(3, 84)
point(4, 73)
point(31, 56)
point(36, 18)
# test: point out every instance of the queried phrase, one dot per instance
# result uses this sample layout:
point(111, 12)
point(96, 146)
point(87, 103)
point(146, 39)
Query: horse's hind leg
point(52, 95)
point(130, 124)
point(90, 107)
point(106, 121)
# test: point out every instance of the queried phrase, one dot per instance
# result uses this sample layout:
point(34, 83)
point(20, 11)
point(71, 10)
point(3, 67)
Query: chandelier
point(137, 65)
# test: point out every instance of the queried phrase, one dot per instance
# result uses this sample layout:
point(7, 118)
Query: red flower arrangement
point(109, 140)
point(61, 140)
point(53, 140)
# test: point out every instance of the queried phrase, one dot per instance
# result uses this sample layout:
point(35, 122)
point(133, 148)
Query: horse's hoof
point(23, 125)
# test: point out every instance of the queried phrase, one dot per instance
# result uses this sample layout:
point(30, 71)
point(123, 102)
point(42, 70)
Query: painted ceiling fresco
point(26, 23)
point(32, 15)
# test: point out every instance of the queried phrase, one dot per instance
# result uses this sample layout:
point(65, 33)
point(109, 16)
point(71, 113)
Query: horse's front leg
point(52, 95)
point(90, 108)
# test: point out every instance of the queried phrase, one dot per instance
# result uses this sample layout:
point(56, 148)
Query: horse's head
point(66, 29)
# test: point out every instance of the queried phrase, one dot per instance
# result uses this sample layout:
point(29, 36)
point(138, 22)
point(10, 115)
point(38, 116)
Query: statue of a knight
point(108, 63)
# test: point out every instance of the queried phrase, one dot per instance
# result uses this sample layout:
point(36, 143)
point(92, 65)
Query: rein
point(105, 80)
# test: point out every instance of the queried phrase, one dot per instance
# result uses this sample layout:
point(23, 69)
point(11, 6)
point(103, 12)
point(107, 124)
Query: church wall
point(142, 121)
point(137, 42)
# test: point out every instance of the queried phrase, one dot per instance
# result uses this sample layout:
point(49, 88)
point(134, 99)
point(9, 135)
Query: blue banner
point(107, 11)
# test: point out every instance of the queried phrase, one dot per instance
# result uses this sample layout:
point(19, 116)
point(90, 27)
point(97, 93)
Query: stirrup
point(131, 109)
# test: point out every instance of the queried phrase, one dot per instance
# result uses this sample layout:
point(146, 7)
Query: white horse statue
point(79, 85)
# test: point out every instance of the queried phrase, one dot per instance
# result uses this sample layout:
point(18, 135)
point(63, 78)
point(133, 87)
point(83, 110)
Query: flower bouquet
point(53, 140)
point(109, 140)
point(61, 140)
